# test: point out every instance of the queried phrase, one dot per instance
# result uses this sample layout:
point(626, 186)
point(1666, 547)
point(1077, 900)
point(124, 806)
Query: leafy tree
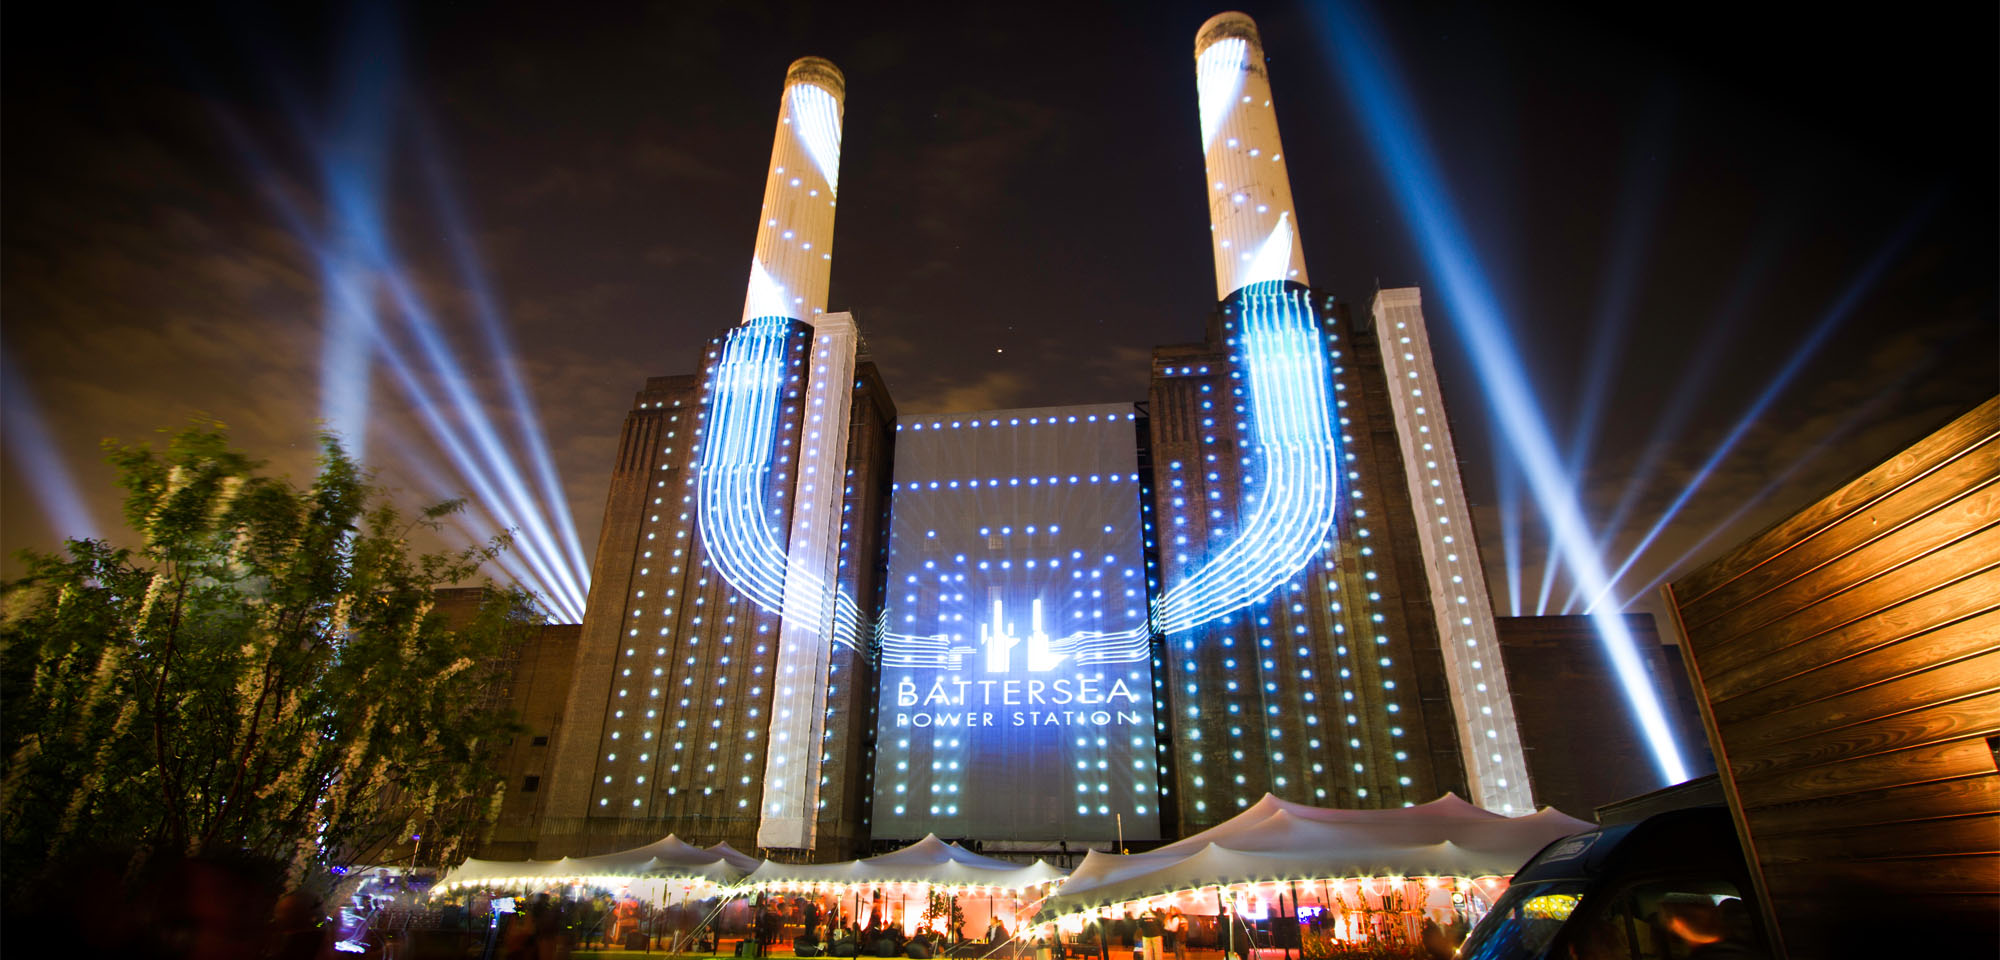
point(942, 912)
point(263, 677)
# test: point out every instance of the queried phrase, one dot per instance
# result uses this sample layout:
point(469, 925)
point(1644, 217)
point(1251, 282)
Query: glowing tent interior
point(1354, 874)
point(894, 887)
point(929, 862)
point(898, 888)
point(669, 859)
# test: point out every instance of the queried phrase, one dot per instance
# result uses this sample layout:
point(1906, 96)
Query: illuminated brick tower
point(720, 690)
point(1300, 651)
point(1461, 607)
point(1276, 545)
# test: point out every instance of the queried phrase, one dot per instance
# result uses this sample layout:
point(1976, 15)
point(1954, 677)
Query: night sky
point(1673, 196)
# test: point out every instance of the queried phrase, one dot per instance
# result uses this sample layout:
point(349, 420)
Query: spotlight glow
point(41, 463)
point(1509, 495)
point(1638, 203)
point(500, 349)
point(1688, 388)
point(351, 165)
point(487, 463)
point(352, 156)
point(1550, 564)
point(1860, 415)
point(556, 584)
point(475, 525)
point(544, 572)
point(358, 263)
point(1218, 80)
point(1838, 312)
point(1419, 188)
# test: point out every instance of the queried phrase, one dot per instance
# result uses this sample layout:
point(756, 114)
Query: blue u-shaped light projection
point(1291, 404)
point(1289, 511)
point(739, 526)
point(736, 453)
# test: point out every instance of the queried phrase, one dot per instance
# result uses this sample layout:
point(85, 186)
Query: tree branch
point(234, 794)
point(174, 816)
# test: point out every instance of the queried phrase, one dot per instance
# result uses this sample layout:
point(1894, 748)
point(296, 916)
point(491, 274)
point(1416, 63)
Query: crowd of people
point(1151, 935)
point(548, 926)
point(812, 931)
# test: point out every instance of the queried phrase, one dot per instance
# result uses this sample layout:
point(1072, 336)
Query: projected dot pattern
point(691, 687)
point(693, 683)
point(1252, 227)
point(1276, 355)
point(691, 647)
point(1287, 664)
point(1487, 734)
point(1302, 692)
point(1017, 695)
point(811, 626)
point(793, 259)
point(773, 538)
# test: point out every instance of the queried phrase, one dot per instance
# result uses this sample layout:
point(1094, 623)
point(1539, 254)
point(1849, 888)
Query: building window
point(540, 741)
point(531, 783)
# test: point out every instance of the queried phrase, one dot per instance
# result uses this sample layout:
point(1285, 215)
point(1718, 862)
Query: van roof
point(1697, 837)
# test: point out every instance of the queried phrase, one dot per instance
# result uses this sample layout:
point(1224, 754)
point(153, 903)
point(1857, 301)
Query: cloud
point(995, 390)
point(668, 255)
point(1816, 438)
point(149, 284)
point(657, 156)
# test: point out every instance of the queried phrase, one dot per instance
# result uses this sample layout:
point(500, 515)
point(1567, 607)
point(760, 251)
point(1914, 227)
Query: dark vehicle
point(1671, 887)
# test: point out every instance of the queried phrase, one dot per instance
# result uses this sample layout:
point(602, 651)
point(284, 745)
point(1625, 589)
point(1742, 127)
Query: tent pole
point(1228, 922)
point(1298, 933)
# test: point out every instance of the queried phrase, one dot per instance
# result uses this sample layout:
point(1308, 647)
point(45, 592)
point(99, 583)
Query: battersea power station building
point(816, 623)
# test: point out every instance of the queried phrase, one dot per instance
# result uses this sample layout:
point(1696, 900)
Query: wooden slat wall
point(1848, 660)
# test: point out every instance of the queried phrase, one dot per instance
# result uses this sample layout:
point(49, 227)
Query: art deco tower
point(1252, 223)
point(1300, 653)
point(720, 691)
point(794, 253)
point(1496, 770)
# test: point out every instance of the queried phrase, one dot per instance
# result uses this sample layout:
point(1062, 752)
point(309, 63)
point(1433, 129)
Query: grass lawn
point(618, 952)
point(595, 953)
point(608, 954)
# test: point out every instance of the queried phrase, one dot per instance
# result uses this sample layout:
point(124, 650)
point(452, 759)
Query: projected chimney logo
point(1001, 640)
point(1016, 662)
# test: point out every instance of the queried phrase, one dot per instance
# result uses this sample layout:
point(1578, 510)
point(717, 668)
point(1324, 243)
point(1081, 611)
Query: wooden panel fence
point(1848, 664)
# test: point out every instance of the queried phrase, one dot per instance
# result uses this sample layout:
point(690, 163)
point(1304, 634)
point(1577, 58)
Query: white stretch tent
point(928, 862)
point(985, 888)
point(666, 859)
point(736, 858)
point(1275, 842)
